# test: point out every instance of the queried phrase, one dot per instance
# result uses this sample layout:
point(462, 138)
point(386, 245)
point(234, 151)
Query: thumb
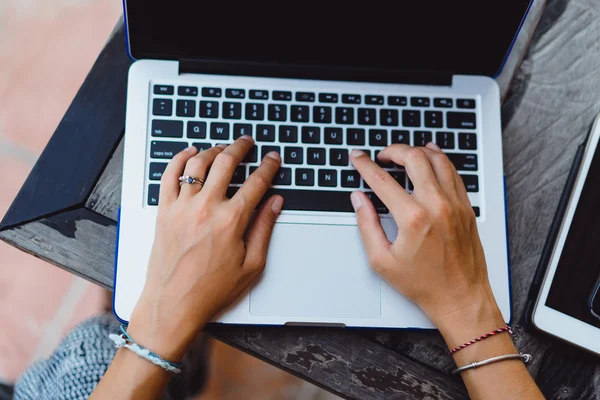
point(373, 236)
point(259, 234)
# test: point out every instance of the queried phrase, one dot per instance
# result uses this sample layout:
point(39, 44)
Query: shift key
point(463, 162)
point(166, 150)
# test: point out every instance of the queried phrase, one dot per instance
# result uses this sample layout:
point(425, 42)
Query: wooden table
point(66, 213)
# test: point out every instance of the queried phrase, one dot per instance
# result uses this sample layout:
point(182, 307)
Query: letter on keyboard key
point(153, 191)
point(293, 155)
point(402, 137)
point(305, 177)
point(461, 120)
point(338, 157)
point(267, 149)
point(166, 150)
point(240, 130)
point(378, 137)
point(315, 156)
point(283, 177)
point(201, 146)
point(265, 133)
point(311, 134)
point(327, 177)
point(196, 130)
point(333, 136)
point(219, 130)
point(350, 178)
point(239, 175)
point(156, 171)
point(463, 162)
point(167, 128)
point(471, 183)
point(355, 137)
point(288, 133)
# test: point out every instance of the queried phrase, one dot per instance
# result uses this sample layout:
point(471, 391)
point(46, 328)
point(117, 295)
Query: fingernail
point(355, 200)
point(357, 153)
point(277, 205)
point(190, 148)
point(274, 154)
point(433, 146)
point(247, 137)
point(222, 145)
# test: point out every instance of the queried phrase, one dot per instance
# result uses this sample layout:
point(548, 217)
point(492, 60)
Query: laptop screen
point(466, 37)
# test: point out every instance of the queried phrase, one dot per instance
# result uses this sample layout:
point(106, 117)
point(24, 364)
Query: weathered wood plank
point(105, 199)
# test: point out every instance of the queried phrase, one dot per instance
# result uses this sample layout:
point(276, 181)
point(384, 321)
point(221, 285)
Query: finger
point(446, 173)
point(197, 167)
point(385, 187)
point(416, 163)
point(259, 234)
point(169, 182)
point(255, 187)
point(222, 170)
point(377, 245)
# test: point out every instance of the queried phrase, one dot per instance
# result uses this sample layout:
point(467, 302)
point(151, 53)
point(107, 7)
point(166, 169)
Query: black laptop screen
point(468, 37)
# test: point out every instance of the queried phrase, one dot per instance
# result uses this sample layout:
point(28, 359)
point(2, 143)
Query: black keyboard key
point(350, 178)
point(461, 120)
point(327, 177)
point(293, 155)
point(402, 137)
point(328, 98)
point(219, 131)
point(187, 91)
point(265, 133)
point(411, 118)
point(371, 99)
point(465, 103)
point(288, 134)
point(232, 110)
point(166, 150)
point(338, 157)
point(156, 170)
point(201, 146)
point(305, 177)
point(167, 128)
point(333, 136)
point(211, 92)
point(259, 94)
point(186, 108)
point(351, 98)
point(388, 117)
point(366, 116)
point(421, 138)
point(283, 177)
point(378, 137)
point(471, 183)
point(467, 141)
point(240, 130)
point(235, 93)
point(445, 140)
point(209, 109)
point(397, 101)
point(315, 156)
point(307, 97)
point(321, 115)
point(252, 155)
point(419, 101)
point(196, 129)
point(311, 134)
point(434, 119)
point(410, 185)
point(463, 162)
point(162, 107)
point(399, 176)
point(239, 175)
point(379, 206)
point(283, 96)
point(355, 137)
point(477, 211)
point(277, 112)
point(344, 115)
point(255, 111)
point(153, 191)
point(264, 150)
point(300, 114)
point(443, 103)
point(381, 163)
point(164, 89)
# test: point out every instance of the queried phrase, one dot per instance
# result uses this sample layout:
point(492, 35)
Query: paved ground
point(46, 50)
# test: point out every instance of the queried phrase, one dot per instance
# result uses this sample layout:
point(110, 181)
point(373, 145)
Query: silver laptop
point(313, 82)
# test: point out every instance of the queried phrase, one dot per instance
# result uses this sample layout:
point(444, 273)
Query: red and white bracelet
point(480, 338)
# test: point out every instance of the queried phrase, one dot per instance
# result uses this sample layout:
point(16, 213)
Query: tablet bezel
point(548, 319)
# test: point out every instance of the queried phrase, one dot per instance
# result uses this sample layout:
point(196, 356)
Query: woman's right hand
point(437, 259)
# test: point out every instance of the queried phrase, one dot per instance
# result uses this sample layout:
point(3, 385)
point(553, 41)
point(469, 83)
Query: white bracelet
point(526, 358)
point(124, 340)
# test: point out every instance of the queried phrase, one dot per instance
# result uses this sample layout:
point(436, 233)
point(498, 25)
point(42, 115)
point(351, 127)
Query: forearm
point(501, 380)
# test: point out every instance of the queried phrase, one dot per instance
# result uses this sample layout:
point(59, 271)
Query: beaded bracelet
point(124, 340)
point(480, 338)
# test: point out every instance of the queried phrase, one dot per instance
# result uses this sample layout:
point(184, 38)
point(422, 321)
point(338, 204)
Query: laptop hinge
point(220, 67)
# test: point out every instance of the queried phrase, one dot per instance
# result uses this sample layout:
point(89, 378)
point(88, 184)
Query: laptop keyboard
point(314, 133)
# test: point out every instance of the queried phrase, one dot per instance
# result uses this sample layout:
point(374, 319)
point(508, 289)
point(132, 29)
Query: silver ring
point(190, 180)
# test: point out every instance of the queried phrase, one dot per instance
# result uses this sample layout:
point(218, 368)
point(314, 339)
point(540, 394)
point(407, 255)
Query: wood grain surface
point(548, 110)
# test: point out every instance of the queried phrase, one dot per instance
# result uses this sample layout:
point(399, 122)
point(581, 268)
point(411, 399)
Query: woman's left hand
point(207, 249)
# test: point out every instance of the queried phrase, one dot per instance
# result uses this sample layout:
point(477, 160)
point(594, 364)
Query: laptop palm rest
point(316, 271)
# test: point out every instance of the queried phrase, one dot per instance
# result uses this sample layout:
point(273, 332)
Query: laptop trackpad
point(316, 271)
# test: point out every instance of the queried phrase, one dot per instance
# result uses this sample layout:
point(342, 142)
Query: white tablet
point(568, 304)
